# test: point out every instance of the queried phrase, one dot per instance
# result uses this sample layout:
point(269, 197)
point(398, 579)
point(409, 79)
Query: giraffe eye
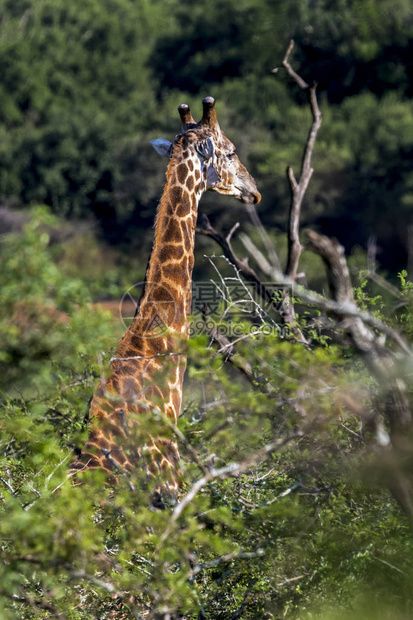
point(231, 155)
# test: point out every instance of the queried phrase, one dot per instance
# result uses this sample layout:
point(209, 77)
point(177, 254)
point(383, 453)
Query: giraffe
point(148, 367)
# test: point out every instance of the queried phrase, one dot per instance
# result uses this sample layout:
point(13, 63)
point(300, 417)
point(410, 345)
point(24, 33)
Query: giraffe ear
point(163, 147)
point(206, 148)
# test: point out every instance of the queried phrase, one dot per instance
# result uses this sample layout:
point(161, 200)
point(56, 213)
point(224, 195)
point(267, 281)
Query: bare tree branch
point(242, 265)
point(257, 255)
point(205, 228)
point(286, 65)
point(230, 470)
point(110, 589)
point(298, 188)
point(268, 244)
point(381, 364)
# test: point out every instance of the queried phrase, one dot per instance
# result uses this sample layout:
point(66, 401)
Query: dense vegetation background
point(313, 531)
point(85, 87)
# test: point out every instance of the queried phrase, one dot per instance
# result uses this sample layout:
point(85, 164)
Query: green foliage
point(45, 316)
point(86, 86)
point(74, 84)
point(305, 532)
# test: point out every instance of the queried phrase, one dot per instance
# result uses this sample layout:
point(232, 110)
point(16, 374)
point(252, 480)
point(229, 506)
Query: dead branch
point(230, 470)
point(298, 188)
point(256, 253)
point(205, 228)
point(224, 559)
point(377, 357)
point(267, 242)
point(345, 308)
point(267, 295)
point(333, 257)
point(342, 308)
point(382, 365)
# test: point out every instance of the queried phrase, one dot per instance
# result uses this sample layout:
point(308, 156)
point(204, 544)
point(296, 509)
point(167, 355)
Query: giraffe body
point(148, 368)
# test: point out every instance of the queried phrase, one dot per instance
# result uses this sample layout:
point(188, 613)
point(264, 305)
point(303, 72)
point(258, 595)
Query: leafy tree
point(75, 83)
point(84, 89)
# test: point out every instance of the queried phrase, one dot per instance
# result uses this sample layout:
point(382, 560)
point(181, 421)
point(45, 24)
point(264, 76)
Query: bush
point(300, 526)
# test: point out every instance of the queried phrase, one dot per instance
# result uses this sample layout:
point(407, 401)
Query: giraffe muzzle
point(249, 193)
point(251, 197)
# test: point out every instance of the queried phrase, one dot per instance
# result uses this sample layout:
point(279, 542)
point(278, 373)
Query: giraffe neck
point(168, 287)
point(148, 368)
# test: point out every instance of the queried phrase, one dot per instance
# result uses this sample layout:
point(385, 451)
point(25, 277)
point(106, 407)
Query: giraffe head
point(212, 153)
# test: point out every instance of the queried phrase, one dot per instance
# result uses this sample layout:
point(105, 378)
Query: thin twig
point(388, 564)
point(33, 602)
point(241, 609)
point(225, 559)
point(108, 587)
point(298, 188)
point(268, 244)
point(250, 275)
point(8, 485)
point(283, 583)
point(230, 470)
point(205, 228)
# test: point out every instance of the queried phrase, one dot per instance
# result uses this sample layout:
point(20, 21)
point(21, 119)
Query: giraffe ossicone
point(132, 409)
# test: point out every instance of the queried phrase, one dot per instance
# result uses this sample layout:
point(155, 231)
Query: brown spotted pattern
point(148, 367)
